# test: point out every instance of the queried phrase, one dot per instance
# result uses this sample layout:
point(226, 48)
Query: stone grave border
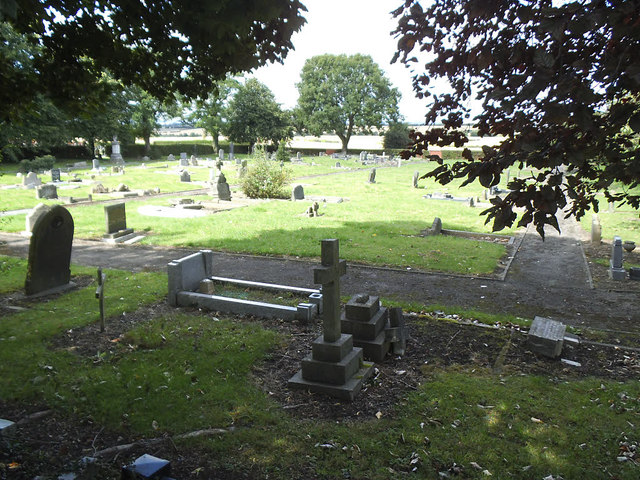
point(186, 274)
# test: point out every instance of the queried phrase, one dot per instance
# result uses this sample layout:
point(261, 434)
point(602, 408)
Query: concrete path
point(548, 278)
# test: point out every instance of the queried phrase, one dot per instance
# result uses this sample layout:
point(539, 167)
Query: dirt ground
point(55, 443)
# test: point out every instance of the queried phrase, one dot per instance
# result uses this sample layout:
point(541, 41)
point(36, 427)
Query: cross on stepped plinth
point(334, 367)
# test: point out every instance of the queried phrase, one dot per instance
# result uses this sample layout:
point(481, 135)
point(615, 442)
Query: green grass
point(623, 222)
point(377, 223)
point(180, 372)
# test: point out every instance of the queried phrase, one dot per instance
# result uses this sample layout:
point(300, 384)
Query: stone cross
point(329, 276)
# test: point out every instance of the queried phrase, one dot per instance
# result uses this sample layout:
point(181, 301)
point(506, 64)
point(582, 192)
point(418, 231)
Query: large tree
point(210, 112)
point(559, 80)
point(163, 46)
point(254, 115)
point(344, 95)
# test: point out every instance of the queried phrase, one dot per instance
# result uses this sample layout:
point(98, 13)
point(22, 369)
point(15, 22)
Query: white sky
point(349, 27)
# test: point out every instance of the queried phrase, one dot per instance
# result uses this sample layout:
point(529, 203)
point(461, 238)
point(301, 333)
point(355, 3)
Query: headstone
point(184, 162)
point(222, 188)
point(399, 162)
point(50, 252)
point(231, 150)
point(334, 367)
point(99, 188)
point(372, 176)
point(185, 176)
point(616, 270)
point(221, 154)
point(31, 180)
point(47, 191)
point(32, 216)
point(171, 158)
point(298, 156)
point(146, 466)
point(596, 230)
point(55, 174)
point(115, 217)
point(95, 164)
point(436, 227)
point(183, 155)
point(546, 336)
point(362, 156)
point(338, 165)
point(116, 156)
point(297, 193)
point(416, 176)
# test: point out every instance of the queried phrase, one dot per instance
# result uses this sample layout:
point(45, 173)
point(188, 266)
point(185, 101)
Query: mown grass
point(181, 372)
point(377, 223)
point(622, 221)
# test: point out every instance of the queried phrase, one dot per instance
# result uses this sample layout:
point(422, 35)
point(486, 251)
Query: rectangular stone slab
point(347, 391)
point(334, 373)
point(362, 311)
point(265, 286)
point(235, 305)
point(368, 330)
point(546, 336)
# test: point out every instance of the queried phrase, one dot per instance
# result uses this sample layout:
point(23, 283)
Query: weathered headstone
point(47, 191)
point(116, 156)
point(183, 155)
point(372, 176)
point(298, 156)
point(32, 216)
point(436, 227)
point(338, 165)
point(416, 176)
point(222, 188)
point(171, 158)
point(50, 252)
point(334, 367)
point(231, 150)
point(362, 156)
point(616, 270)
point(185, 176)
point(55, 174)
point(546, 336)
point(184, 162)
point(221, 154)
point(31, 180)
point(297, 193)
point(596, 230)
point(116, 222)
point(95, 164)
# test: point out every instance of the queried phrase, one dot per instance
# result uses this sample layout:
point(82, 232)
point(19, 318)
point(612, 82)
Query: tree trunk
point(92, 147)
point(215, 143)
point(147, 144)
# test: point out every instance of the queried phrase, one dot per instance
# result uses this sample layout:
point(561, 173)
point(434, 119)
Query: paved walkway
point(547, 278)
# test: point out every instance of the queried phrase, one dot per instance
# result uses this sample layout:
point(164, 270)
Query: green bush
point(396, 136)
point(281, 154)
point(265, 178)
point(45, 162)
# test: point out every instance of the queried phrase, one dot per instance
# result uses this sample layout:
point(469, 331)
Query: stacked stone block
point(367, 321)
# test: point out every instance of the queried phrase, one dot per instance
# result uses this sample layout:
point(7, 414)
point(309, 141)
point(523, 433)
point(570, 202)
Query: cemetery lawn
point(377, 224)
point(464, 401)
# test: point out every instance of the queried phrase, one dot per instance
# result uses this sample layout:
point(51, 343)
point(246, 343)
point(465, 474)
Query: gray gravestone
point(185, 176)
point(436, 227)
point(221, 154)
point(31, 180)
point(32, 216)
point(183, 155)
point(55, 174)
point(116, 156)
point(116, 221)
point(95, 164)
point(372, 176)
point(338, 165)
point(616, 270)
point(546, 336)
point(334, 367)
point(596, 230)
point(184, 162)
point(47, 191)
point(231, 150)
point(50, 252)
point(297, 193)
point(416, 176)
point(298, 156)
point(171, 158)
point(222, 188)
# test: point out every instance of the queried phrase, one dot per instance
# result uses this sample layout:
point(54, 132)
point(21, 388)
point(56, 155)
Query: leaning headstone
point(55, 175)
point(50, 252)
point(436, 227)
point(115, 217)
point(31, 180)
point(616, 270)
point(185, 176)
point(334, 367)
point(416, 176)
point(146, 466)
point(546, 336)
point(596, 230)
point(32, 216)
point(47, 191)
point(297, 193)
point(372, 176)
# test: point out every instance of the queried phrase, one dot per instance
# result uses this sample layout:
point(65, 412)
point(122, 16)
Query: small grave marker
point(546, 336)
point(596, 230)
point(416, 176)
point(100, 296)
point(616, 270)
point(372, 176)
point(297, 193)
point(47, 191)
point(55, 174)
point(116, 223)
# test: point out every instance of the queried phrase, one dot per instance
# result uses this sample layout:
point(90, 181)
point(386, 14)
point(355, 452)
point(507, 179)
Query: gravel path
point(549, 278)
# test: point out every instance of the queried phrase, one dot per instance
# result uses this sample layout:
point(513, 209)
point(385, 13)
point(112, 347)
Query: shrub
point(396, 136)
point(265, 178)
point(45, 162)
point(281, 154)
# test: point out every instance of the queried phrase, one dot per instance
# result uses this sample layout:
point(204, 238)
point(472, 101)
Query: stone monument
point(334, 367)
point(116, 223)
point(546, 336)
point(116, 156)
point(372, 176)
point(50, 252)
point(222, 188)
point(616, 270)
point(48, 191)
point(297, 193)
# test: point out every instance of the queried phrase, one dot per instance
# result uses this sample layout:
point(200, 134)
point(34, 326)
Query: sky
point(349, 27)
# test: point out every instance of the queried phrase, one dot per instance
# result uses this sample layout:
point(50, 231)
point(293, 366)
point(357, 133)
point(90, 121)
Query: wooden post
point(100, 296)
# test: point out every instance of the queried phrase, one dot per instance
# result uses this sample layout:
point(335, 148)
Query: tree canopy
point(344, 95)
point(560, 81)
point(163, 46)
point(253, 114)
